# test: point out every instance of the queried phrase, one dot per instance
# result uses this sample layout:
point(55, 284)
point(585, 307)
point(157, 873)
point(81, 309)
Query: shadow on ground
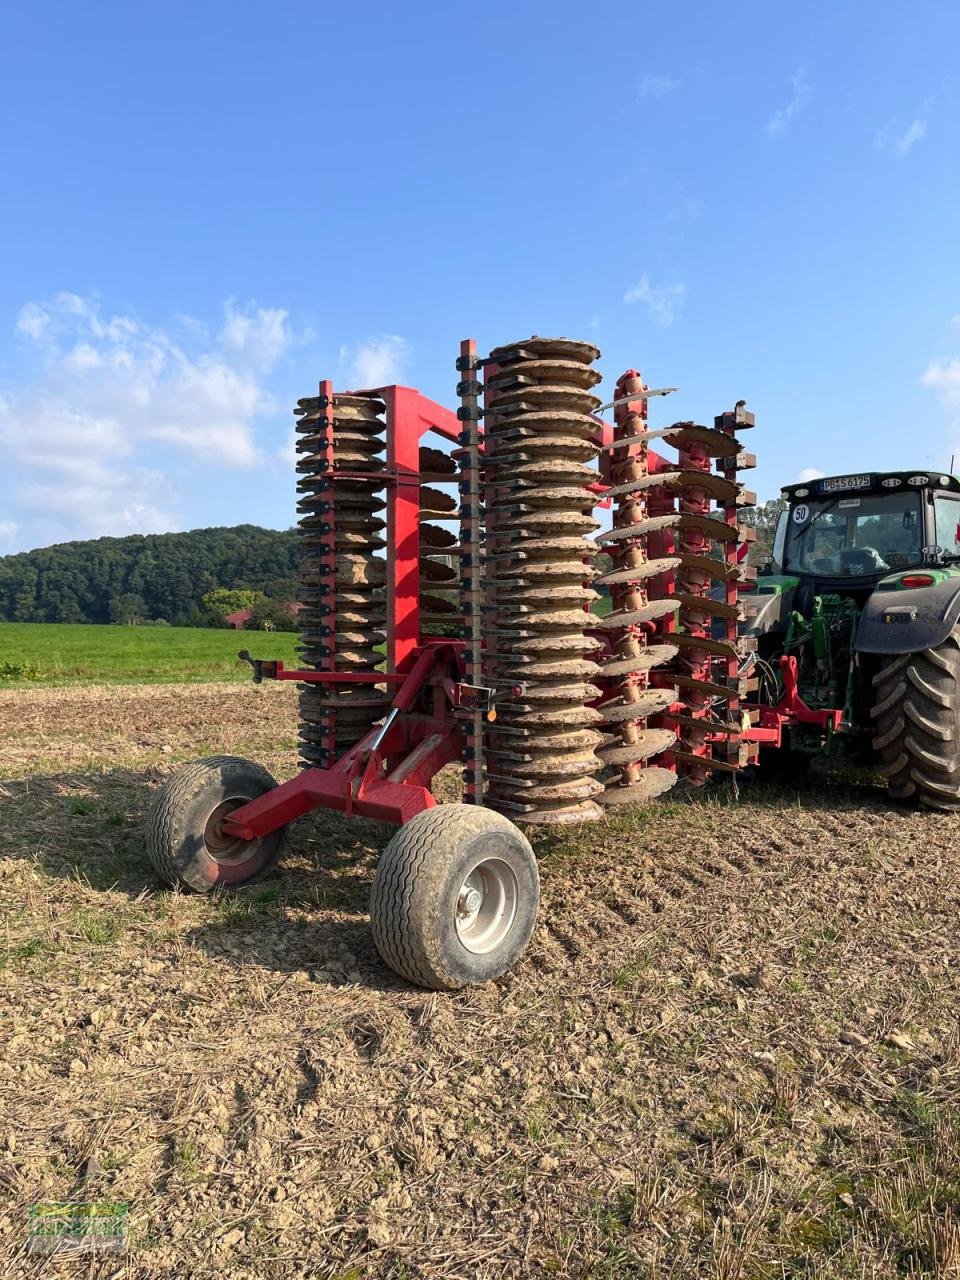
point(309, 913)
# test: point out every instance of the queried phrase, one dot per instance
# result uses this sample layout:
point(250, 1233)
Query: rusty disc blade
point(650, 702)
point(435, 604)
point(436, 461)
point(650, 742)
point(558, 669)
point(716, 647)
point(436, 499)
point(530, 642)
point(653, 655)
point(562, 348)
point(530, 572)
point(653, 782)
point(704, 687)
point(561, 815)
point(534, 448)
point(630, 617)
point(562, 470)
point(705, 762)
point(705, 604)
point(556, 421)
point(574, 739)
point(548, 368)
point(437, 571)
point(651, 525)
point(639, 572)
point(539, 396)
point(572, 692)
point(564, 522)
point(549, 717)
point(543, 764)
point(564, 496)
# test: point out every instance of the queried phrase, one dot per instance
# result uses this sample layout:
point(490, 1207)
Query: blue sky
point(208, 207)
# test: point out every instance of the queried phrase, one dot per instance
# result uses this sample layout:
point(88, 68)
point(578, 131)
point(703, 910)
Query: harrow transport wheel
point(916, 734)
point(455, 897)
point(185, 843)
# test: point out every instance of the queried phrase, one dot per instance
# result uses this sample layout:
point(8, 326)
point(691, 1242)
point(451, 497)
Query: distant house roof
point(241, 617)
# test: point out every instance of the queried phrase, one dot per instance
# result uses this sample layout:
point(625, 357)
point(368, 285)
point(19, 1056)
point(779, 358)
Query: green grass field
point(61, 653)
point(42, 653)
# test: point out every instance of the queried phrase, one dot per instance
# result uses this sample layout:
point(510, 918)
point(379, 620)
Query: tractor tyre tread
point(917, 725)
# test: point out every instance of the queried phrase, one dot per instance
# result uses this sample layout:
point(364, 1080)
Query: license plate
point(842, 484)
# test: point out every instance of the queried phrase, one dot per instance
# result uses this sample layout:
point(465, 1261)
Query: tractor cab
point(851, 555)
point(844, 534)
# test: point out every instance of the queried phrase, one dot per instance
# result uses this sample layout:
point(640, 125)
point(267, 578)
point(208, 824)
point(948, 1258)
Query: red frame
point(387, 774)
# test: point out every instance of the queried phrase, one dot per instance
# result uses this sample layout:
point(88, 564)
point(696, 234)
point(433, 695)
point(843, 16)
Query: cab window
point(948, 524)
point(854, 537)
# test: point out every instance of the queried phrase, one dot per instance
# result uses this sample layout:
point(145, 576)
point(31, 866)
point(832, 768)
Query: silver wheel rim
point(486, 906)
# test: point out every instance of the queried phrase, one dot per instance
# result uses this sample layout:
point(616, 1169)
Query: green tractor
point(856, 623)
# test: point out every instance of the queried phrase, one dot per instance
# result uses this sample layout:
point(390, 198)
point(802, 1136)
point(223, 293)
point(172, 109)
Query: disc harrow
point(681, 530)
point(426, 645)
point(438, 544)
point(631, 745)
point(539, 435)
point(341, 446)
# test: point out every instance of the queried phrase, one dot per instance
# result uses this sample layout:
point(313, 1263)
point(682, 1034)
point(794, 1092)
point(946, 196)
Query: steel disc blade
point(653, 782)
point(631, 617)
point(653, 655)
point(650, 742)
point(640, 572)
point(649, 702)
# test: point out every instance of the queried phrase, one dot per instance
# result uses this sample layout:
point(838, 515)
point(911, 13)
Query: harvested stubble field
point(731, 1051)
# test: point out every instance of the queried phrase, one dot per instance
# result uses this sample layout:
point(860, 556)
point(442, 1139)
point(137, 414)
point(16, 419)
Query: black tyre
point(455, 897)
point(916, 715)
point(185, 843)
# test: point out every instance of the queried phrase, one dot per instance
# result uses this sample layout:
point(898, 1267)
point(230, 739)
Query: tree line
point(160, 578)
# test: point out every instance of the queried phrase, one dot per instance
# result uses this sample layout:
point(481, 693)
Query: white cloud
point(656, 86)
point(263, 335)
point(782, 117)
point(32, 320)
point(902, 141)
point(914, 133)
point(375, 362)
point(662, 301)
point(83, 356)
point(8, 530)
point(808, 474)
point(103, 501)
point(943, 376)
point(105, 389)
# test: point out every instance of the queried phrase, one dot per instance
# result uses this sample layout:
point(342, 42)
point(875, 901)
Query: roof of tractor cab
point(870, 482)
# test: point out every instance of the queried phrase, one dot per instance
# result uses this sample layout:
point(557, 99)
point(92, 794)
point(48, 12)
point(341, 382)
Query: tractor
point(855, 620)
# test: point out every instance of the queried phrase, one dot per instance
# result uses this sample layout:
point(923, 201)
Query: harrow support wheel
point(185, 843)
point(455, 897)
point(916, 725)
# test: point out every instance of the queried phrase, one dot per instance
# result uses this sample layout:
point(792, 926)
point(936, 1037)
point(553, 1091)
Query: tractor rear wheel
point(185, 842)
point(455, 897)
point(916, 715)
